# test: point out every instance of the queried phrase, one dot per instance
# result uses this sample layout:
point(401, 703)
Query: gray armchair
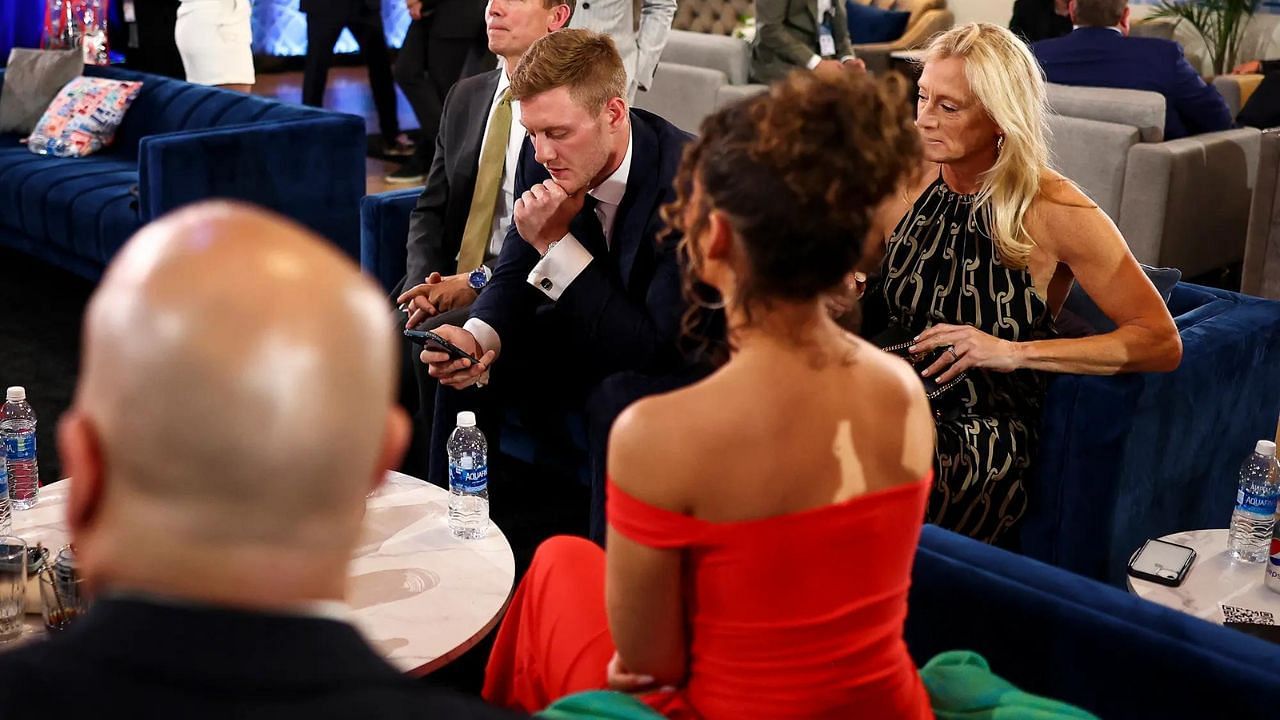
point(698, 73)
point(1181, 203)
point(1261, 274)
point(928, 18)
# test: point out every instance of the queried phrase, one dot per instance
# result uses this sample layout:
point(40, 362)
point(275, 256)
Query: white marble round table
point(1214, 579)
point(419, 595)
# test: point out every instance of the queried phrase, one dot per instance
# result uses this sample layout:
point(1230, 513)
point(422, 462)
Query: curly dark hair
point(798, 171)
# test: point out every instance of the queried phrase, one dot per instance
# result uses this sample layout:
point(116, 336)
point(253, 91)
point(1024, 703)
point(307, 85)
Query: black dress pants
point(426, 69)
point(150, 46)
point(366, 26)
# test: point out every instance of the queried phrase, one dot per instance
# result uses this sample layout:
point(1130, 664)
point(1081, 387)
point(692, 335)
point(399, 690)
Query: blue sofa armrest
point(1056, 634)
point(1129, 457)
point(384, 230)
point(310, 169)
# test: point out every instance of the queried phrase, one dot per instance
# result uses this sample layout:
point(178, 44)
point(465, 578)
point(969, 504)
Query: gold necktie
point(493, 156)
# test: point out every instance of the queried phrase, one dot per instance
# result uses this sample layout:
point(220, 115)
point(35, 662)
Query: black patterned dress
point(941, 266)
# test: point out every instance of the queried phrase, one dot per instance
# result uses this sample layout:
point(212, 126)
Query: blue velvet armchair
point(1130, 457)
point(1053, 633)
point(180, 143)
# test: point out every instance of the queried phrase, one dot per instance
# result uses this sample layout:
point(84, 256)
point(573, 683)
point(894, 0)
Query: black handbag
point(896, 339)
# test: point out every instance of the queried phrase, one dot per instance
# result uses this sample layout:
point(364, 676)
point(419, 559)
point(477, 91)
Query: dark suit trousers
point(157, 51)
point(426, 68)
point(544, 400)
point(366, 26)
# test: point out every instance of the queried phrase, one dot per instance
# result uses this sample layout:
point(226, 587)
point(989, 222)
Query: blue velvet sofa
point(1053, 633)
point(1123, 458)
point(1130, 457)
point(180, 143)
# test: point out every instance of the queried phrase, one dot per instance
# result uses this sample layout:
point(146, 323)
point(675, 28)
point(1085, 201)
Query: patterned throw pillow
point(83, 118)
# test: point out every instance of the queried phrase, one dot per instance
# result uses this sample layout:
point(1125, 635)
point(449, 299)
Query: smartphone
point(1162, 562)
point(430, 339)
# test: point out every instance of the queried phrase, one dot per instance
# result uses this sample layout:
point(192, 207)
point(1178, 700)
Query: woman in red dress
point(763, 521)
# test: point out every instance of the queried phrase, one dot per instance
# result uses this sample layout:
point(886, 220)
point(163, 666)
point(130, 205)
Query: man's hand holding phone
point(461, 372)
point(543, 213)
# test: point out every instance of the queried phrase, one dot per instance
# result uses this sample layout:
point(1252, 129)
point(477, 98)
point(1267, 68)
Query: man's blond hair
point(585, 62)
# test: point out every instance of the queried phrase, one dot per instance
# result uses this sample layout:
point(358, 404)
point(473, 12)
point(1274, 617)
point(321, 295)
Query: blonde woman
point(980, 253)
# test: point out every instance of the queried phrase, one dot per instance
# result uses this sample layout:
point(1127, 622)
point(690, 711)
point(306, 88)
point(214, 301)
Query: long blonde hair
point(1005, 77)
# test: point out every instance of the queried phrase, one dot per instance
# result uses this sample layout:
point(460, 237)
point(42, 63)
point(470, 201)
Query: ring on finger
point(951, 350)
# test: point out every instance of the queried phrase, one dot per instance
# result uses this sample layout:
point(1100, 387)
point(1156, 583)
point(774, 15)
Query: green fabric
point(598, 705)
point(960, 683)
point(962, 687)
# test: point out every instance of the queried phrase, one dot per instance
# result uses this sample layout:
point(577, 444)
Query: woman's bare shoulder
point(1061, 208)
point(658, 437)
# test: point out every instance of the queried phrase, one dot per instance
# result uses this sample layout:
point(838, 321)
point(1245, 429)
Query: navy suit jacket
point(625, 309)
point(1101, 57)
point(155, 660)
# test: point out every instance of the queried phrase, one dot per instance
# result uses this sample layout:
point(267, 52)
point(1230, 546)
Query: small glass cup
point(62, 592)
point(13, 587)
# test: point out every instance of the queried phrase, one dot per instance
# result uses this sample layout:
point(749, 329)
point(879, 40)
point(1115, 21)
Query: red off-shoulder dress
point(791, 616)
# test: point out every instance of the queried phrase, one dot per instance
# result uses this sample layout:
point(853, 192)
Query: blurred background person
point(145, 31)
point(638, 27)
point(789, 35)
point(1036, 20)
point(215, 39)
point(325, 22)
point(446, 41)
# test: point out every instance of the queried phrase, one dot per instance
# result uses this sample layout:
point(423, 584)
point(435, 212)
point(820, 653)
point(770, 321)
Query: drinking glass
point(62, 592)
point(13, 586)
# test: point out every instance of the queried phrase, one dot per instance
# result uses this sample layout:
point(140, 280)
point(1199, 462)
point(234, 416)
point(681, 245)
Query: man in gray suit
point(638, 27)
point(792, 34)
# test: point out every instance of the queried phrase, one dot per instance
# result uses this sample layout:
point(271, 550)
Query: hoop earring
point(699, 303)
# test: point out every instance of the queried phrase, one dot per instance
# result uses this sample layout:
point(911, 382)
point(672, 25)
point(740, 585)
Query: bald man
point(221, 445)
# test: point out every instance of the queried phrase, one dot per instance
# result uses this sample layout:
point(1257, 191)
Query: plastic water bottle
point(6, 516)
point(468, 479)
point(1255, 514)
point(18, 427)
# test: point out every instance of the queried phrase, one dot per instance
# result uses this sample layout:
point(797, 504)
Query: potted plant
point(1220, 23)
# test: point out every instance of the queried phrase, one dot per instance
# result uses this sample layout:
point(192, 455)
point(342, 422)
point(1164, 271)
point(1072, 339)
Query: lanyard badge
point(826, 40)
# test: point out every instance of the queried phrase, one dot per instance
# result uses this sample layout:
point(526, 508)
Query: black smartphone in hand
point(436, 342)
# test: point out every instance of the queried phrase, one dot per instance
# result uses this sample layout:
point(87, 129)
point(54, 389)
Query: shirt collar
point(504, 82)
point(614, 187)
point(1113, 28)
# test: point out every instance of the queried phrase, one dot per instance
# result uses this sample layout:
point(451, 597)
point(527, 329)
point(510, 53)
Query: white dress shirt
point(565, 262)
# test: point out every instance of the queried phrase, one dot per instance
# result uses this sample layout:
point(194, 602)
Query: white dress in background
point(216, 41)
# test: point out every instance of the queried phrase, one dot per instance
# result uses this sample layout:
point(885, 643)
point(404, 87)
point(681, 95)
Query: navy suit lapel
point(637, 207)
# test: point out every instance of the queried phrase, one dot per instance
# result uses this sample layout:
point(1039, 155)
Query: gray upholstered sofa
point(1179, 203)
point(1261, 274)
point(698, 73)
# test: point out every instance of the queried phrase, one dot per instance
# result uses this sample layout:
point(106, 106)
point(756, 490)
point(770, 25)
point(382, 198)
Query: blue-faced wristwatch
point(479, 278)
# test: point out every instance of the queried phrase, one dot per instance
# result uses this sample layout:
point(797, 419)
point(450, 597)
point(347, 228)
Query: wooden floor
point(347, 91)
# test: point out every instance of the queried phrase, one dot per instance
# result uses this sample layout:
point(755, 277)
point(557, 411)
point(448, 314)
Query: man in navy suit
point(586, 287)
point(1099, 53)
